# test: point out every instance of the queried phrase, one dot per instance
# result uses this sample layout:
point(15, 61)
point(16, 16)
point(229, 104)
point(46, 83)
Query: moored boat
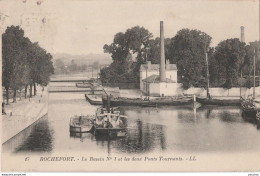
point(94, 99)
point(109, 123)
point(84, 85)
point(249, 109)
point(81, 124)
point(173, 101)
point(219, 102)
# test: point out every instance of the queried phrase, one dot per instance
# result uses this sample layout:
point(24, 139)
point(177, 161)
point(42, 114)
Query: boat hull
point(249, 113)
point(111, 132)
point(93, 102)
point(74, 129)
point(80, 124)
point(83, 85)
point(206, 101)
point(147, 103)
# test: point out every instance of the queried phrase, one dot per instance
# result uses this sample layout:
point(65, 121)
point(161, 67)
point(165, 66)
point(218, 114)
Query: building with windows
point(159, 79)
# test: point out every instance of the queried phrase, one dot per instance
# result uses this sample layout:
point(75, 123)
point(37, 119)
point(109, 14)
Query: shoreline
point(22, 114)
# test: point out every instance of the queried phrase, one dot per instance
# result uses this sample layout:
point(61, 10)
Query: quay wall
point(22, 114)
point(218, 91)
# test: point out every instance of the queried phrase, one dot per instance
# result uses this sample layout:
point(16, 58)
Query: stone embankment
point(23, 113)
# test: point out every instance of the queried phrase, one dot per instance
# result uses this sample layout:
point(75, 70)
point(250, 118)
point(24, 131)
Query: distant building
point(159, 79)
point(149, 74)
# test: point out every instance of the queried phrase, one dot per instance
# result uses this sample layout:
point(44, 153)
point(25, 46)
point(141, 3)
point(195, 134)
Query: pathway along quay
point(23, 114)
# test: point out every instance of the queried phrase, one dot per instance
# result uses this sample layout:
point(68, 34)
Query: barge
point(94, 99)
point(219, 102)
point(172, 101)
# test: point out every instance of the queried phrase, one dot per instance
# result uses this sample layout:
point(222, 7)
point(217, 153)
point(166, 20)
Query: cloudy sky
point(84, 26)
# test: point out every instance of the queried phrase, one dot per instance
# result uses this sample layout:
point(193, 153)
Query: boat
point(81, 124)
point(249, 109)
point(84, 85)
point(173, 101)
point(103, 124)
point(94, 99)
point(249, 106)
point(88, 83)
point(149, 105)
point(218, 101)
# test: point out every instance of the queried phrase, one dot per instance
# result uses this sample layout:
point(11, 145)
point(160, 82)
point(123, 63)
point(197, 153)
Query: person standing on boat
point(115, 121)
point(99, 121)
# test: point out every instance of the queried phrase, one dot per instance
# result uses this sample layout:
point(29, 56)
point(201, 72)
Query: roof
point(157, 67)
point(156, 79)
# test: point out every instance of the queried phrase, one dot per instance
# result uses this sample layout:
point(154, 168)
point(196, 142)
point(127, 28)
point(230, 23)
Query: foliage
point(230, 56)
point(59, 66)
point(135, 41)
point(24, 63)
point(188, 50)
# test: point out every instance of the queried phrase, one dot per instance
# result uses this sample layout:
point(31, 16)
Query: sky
point(84, 26)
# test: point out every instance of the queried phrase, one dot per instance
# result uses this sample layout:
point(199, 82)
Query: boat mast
point(207, 65)
point(254, 74)
point(241, 75)
point(146, 83)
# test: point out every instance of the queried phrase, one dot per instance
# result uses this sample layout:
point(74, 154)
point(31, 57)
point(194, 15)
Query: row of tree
point(25, 64)
point(186, 49)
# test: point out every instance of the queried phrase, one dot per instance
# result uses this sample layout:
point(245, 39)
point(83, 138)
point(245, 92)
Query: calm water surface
point(166, 129)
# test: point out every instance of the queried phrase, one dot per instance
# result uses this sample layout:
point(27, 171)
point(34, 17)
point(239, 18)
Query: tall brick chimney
point(162, 64)
point(242, 34)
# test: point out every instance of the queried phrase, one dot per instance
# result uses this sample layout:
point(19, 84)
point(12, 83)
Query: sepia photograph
point(130, 85)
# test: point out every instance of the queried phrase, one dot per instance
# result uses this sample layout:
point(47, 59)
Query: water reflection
point(165, 129)
point(36, 138)
point(40, 138)
point(144, 137)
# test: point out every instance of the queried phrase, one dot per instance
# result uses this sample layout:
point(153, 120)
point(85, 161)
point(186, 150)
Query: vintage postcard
point(131, 85)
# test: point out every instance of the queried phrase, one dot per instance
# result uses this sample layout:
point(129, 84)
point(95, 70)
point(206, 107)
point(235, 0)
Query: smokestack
point(242, 34)
point(162, 65)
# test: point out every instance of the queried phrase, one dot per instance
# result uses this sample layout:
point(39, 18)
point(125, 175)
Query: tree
point(14, 63)
point(230, 56)
point(135, 41)
point(24, 63)
point(188, 51)
point(73, 66)
point(59, 66)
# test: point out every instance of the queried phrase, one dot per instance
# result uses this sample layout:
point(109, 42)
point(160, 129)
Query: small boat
point(94, 99)
point(109, 124)
point(81, 124)
point(219, 102)
point(249, 109)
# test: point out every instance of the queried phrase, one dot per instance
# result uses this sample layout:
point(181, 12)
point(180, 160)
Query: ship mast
point(254, 74)
point(241, 74)
point(207, 65)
